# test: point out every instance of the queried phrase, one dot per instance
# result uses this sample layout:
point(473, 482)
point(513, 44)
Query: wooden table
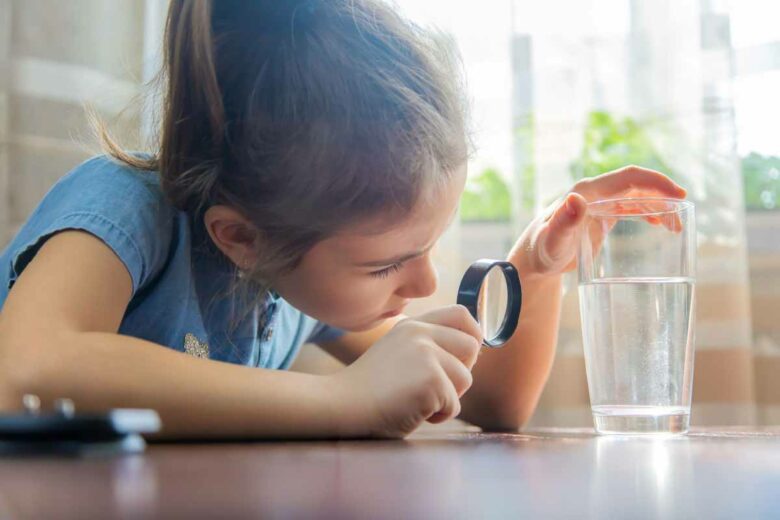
point(719, 473)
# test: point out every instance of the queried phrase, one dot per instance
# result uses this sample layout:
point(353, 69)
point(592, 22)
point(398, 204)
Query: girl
point(310, 155)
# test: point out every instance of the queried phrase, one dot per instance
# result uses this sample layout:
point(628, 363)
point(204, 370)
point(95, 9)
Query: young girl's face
point(358, 278)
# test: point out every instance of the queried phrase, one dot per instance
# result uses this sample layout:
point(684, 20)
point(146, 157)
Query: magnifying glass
point(491, 291)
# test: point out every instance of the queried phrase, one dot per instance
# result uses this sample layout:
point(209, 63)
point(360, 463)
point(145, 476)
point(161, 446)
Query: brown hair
point(304, 115)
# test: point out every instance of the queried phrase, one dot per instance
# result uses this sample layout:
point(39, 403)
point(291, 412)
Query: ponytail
point(190, 61)
point(192, 137)
point(194, 119)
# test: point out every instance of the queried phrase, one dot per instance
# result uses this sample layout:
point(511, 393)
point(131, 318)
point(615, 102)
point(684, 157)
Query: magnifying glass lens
point(492, 303)
point(491, 292)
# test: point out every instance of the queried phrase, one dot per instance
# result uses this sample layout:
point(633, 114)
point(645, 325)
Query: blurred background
point(560, 90)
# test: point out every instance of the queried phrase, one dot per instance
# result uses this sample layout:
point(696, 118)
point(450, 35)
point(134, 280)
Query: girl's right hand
point(415, 373)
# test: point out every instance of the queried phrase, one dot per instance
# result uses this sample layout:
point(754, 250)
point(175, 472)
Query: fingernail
point(570, 209)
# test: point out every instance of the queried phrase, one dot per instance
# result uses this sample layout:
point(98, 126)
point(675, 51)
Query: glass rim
point(678, 206)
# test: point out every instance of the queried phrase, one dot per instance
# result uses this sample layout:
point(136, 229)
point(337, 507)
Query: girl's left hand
point(548, 246)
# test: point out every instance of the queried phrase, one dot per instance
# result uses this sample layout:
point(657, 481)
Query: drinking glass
point(637, 268)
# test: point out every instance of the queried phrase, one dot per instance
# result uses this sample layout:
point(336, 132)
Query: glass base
point(618, 420)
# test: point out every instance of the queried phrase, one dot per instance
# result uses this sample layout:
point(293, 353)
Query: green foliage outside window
point(761, 175)
point(612, 142)
point(486, 198)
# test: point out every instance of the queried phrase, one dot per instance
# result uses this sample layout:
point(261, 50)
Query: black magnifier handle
point(471, 286)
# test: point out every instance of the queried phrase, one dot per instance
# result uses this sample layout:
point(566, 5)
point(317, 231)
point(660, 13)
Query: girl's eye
point(384, 273)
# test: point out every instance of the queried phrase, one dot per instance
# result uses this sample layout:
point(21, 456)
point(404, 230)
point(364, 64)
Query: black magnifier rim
point(468, 296)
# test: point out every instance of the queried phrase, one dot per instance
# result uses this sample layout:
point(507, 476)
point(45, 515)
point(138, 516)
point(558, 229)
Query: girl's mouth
point(391, 314)
point(394, 312)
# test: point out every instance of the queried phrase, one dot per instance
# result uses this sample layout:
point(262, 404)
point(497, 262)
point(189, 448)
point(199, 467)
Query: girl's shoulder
point(122, 206)
point(102, 180)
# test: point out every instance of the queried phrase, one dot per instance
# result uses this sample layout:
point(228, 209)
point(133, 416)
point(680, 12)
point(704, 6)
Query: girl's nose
point(421, 279)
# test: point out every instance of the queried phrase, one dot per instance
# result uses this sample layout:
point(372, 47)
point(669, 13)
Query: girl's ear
point(233, 234)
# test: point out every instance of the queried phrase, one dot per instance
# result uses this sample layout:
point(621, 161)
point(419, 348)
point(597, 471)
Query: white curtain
point(659, 75)
point(55, 57)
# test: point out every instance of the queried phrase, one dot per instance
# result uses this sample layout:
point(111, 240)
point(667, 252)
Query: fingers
point(569, 213)
point(455, 341)
point(634, 181)
point(620, 182)
point(456, 317)
point(673, 223)
point(456, 371)
point(560, 237)
point(463, 347)
point(661, 216)
point(448, 397)
point(654, 212)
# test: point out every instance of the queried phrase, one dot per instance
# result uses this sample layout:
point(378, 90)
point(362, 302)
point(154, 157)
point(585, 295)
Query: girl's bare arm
point(58, 338)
